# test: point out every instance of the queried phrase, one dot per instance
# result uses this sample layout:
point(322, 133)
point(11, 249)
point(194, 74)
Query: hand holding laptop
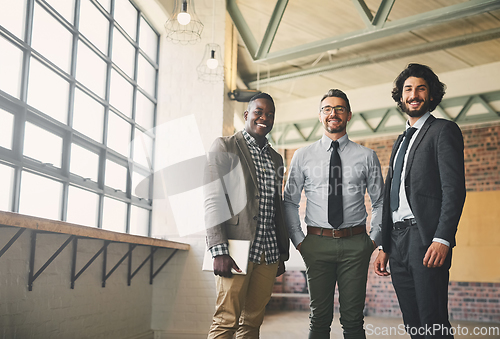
point(237, 258)
point(223, 265)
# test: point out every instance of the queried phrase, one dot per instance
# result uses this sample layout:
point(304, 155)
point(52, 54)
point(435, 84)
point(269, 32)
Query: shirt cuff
point(221, 249)
point(441, 241)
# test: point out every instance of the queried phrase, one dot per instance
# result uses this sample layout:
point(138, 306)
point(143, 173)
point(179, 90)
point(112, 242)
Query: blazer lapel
point(395, 149)
point(242, 145)
point(417, 141)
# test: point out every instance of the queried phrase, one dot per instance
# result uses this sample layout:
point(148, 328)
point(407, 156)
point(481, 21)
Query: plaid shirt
point(265, 238)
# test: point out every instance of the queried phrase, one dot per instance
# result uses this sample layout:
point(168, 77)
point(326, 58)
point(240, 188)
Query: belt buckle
point(333, 234)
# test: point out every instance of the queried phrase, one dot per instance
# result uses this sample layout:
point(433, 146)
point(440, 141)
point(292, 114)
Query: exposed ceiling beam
point(363, 11)
point(386, 56)
point(414, 22)
point(383, 127)
point(272, 28)
point(382, 13)
point(242, 26)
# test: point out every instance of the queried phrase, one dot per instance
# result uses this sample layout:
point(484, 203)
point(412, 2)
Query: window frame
point(25, 113)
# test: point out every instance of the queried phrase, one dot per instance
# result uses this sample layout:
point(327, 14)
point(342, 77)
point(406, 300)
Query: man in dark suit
point(424, 197)
point(249, 208)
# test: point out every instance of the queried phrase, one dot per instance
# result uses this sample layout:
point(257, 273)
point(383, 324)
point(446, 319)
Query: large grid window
point(78, 85)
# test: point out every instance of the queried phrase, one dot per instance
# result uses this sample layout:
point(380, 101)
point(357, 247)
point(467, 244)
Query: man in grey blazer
point(257, 217)
point(423, 201)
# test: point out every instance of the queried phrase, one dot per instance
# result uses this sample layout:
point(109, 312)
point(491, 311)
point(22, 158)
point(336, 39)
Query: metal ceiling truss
point(380, 57)
point(377, 27)
point(469, 109)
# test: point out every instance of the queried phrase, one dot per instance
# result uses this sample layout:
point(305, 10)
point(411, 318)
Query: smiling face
point(415, 99)
point(259, 119)
point(334, 122)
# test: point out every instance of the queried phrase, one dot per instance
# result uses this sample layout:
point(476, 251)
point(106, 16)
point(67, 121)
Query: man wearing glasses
point(335, 173)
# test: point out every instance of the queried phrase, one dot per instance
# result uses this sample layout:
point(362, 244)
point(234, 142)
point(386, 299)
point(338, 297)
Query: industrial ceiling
point(297, 48)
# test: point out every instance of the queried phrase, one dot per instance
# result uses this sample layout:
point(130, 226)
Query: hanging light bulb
point(183, 26)
point(183, 17)
point(211, 67)
point(212, 63)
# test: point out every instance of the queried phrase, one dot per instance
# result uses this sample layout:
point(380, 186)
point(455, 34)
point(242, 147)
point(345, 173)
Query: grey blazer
point(434, 182)
point(225, 155)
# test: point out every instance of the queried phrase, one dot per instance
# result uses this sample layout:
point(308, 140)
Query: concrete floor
point(295, 325)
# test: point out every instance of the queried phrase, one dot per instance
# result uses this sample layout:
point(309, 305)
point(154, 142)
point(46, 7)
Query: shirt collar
point(420, 122)
point(252, 142)
point(326, 142)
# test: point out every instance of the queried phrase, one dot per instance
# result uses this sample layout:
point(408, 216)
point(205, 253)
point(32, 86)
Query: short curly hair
point(436, 87)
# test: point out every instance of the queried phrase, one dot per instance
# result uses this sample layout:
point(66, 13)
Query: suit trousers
point(241, 301)
point(342, 261)
point(422, 292)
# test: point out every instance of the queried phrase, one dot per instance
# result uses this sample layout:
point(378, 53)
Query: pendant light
point(211, 68)
point(183, 26)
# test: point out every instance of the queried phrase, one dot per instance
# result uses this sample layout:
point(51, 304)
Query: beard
point(340, 128)
point(416, 113)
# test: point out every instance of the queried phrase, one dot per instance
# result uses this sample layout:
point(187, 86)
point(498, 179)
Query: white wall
point(54, 310)
point(193, 114)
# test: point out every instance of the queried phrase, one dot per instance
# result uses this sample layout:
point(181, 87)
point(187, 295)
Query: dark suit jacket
point(434, 182)
point(224, 156)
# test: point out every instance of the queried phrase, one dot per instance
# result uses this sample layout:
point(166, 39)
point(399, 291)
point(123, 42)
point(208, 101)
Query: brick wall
point(482, 158)
point(467, 300)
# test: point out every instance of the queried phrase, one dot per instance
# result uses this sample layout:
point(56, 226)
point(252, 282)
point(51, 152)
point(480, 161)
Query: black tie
point(335, 205)
point(398, 168)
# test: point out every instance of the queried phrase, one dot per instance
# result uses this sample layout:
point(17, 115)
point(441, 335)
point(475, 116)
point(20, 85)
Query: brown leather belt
point(340, 233)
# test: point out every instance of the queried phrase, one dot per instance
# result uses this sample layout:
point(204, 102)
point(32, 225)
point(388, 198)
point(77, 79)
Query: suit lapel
point(417, 141)
point(247, 157)
point(395, 149)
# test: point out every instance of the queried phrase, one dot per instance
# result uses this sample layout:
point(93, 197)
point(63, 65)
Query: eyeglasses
point(329, 109)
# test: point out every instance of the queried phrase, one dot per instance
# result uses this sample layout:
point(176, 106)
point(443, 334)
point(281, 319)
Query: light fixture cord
point(213, 21)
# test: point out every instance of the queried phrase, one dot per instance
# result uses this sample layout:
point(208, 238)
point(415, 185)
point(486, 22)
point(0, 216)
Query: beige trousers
point(241, 302)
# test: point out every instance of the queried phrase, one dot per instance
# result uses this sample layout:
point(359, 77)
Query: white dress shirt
point(309, 172)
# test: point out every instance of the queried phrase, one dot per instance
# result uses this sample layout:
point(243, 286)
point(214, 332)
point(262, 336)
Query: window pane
point(93, 25)
point(7, 184)
point(114, 215)
point(88, 116)
point(11, 59)
point(123, 53)
point(40, 196)
point(90, 70)
point(146, 76)
point(51, 39)
point(143, 149)
point(119, 134)
point(116, 176)
point(84, 162)
point(144, 111)
point(6, 129)
point(42, 145)
point(51, 100)
point(65, 7)
point(139, 221)
point(121, 93)
point(82, 207)
point(148, 40)
point(13, 19)
point(126, 16)
point(140, 186)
